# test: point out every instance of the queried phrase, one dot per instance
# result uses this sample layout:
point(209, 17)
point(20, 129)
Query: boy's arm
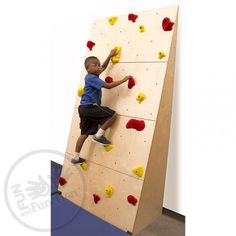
point(106, 62)
point(116, 83)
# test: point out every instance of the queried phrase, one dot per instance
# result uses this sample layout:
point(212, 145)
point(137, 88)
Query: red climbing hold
point(167, 25)
point(132, 200)
point(109, 79)
point(96, 198)
point(62, 181)
point(131, 83)
point(132, 17)
point(135, 124)
point(90, 45)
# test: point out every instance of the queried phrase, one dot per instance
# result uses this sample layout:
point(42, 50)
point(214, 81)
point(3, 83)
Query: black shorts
point(93, 115)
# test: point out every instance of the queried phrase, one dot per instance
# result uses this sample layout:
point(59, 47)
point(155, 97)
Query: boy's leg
point(109, 122)
point(77, 159)
point(105, 125)
point(99, 136)
point(80, 142)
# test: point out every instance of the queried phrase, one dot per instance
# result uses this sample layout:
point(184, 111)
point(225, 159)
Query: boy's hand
point(127, 77)
point(113, 53)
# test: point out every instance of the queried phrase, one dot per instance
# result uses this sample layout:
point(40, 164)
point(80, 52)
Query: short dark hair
point(87, 60)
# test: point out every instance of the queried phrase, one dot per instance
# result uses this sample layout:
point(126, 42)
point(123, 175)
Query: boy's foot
point(79, 161)
point(102, 140)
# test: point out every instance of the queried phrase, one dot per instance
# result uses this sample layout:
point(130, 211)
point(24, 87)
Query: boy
point(90, 110)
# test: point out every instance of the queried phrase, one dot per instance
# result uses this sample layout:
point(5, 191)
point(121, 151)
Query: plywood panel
point(82, 185)
point(136, 46)
point(149, 79)
point(130, 147)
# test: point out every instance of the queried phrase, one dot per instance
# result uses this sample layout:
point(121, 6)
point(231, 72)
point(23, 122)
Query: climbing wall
point(124, 183)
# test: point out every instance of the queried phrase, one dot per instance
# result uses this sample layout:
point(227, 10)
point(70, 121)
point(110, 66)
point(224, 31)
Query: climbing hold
point(62, 181)
point(109, 79)
point(131, 83)
point(132, 200)
point(139, 125)
point(116, 58)
point(84, 166)
point(161, 54)
point(90, 45)
point(167, 25)
point(108, 147)
point(96, 198)
point(140, 97)
point(141, 28)
point(132, 17)
point(80, 91)
point(108, 190)
point(138, 171)
point(112, 20)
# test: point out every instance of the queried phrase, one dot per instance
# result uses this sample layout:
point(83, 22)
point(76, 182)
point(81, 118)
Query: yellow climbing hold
point(108, 147)
point(161, 54)
point(80, 91)
point(112, 20)
point(140, 97)
point(141, 28)
point(108, 190)
point(116, 58)
point(138, 171)
point(84, 166)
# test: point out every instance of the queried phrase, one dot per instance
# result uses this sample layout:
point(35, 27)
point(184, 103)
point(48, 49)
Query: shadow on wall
point(171, 197)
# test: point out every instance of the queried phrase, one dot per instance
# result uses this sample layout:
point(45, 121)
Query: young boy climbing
point(91, 113)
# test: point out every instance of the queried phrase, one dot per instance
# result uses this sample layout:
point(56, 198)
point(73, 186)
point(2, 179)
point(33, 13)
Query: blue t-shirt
point(92, 90)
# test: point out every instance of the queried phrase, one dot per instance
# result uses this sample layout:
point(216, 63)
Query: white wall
point(42, 48)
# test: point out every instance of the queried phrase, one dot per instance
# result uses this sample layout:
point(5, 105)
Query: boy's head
point(92, 65)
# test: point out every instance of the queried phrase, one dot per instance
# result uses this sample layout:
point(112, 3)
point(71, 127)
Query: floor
point(166, 225)
point(68, 219)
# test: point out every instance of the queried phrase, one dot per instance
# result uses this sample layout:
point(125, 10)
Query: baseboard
point(173, 214)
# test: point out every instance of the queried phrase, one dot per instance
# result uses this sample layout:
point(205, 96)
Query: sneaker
point(102, 140)
point(80, 161)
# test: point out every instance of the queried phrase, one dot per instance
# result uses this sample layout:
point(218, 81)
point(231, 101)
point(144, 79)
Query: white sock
point(99, 133)
point(76, 156)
